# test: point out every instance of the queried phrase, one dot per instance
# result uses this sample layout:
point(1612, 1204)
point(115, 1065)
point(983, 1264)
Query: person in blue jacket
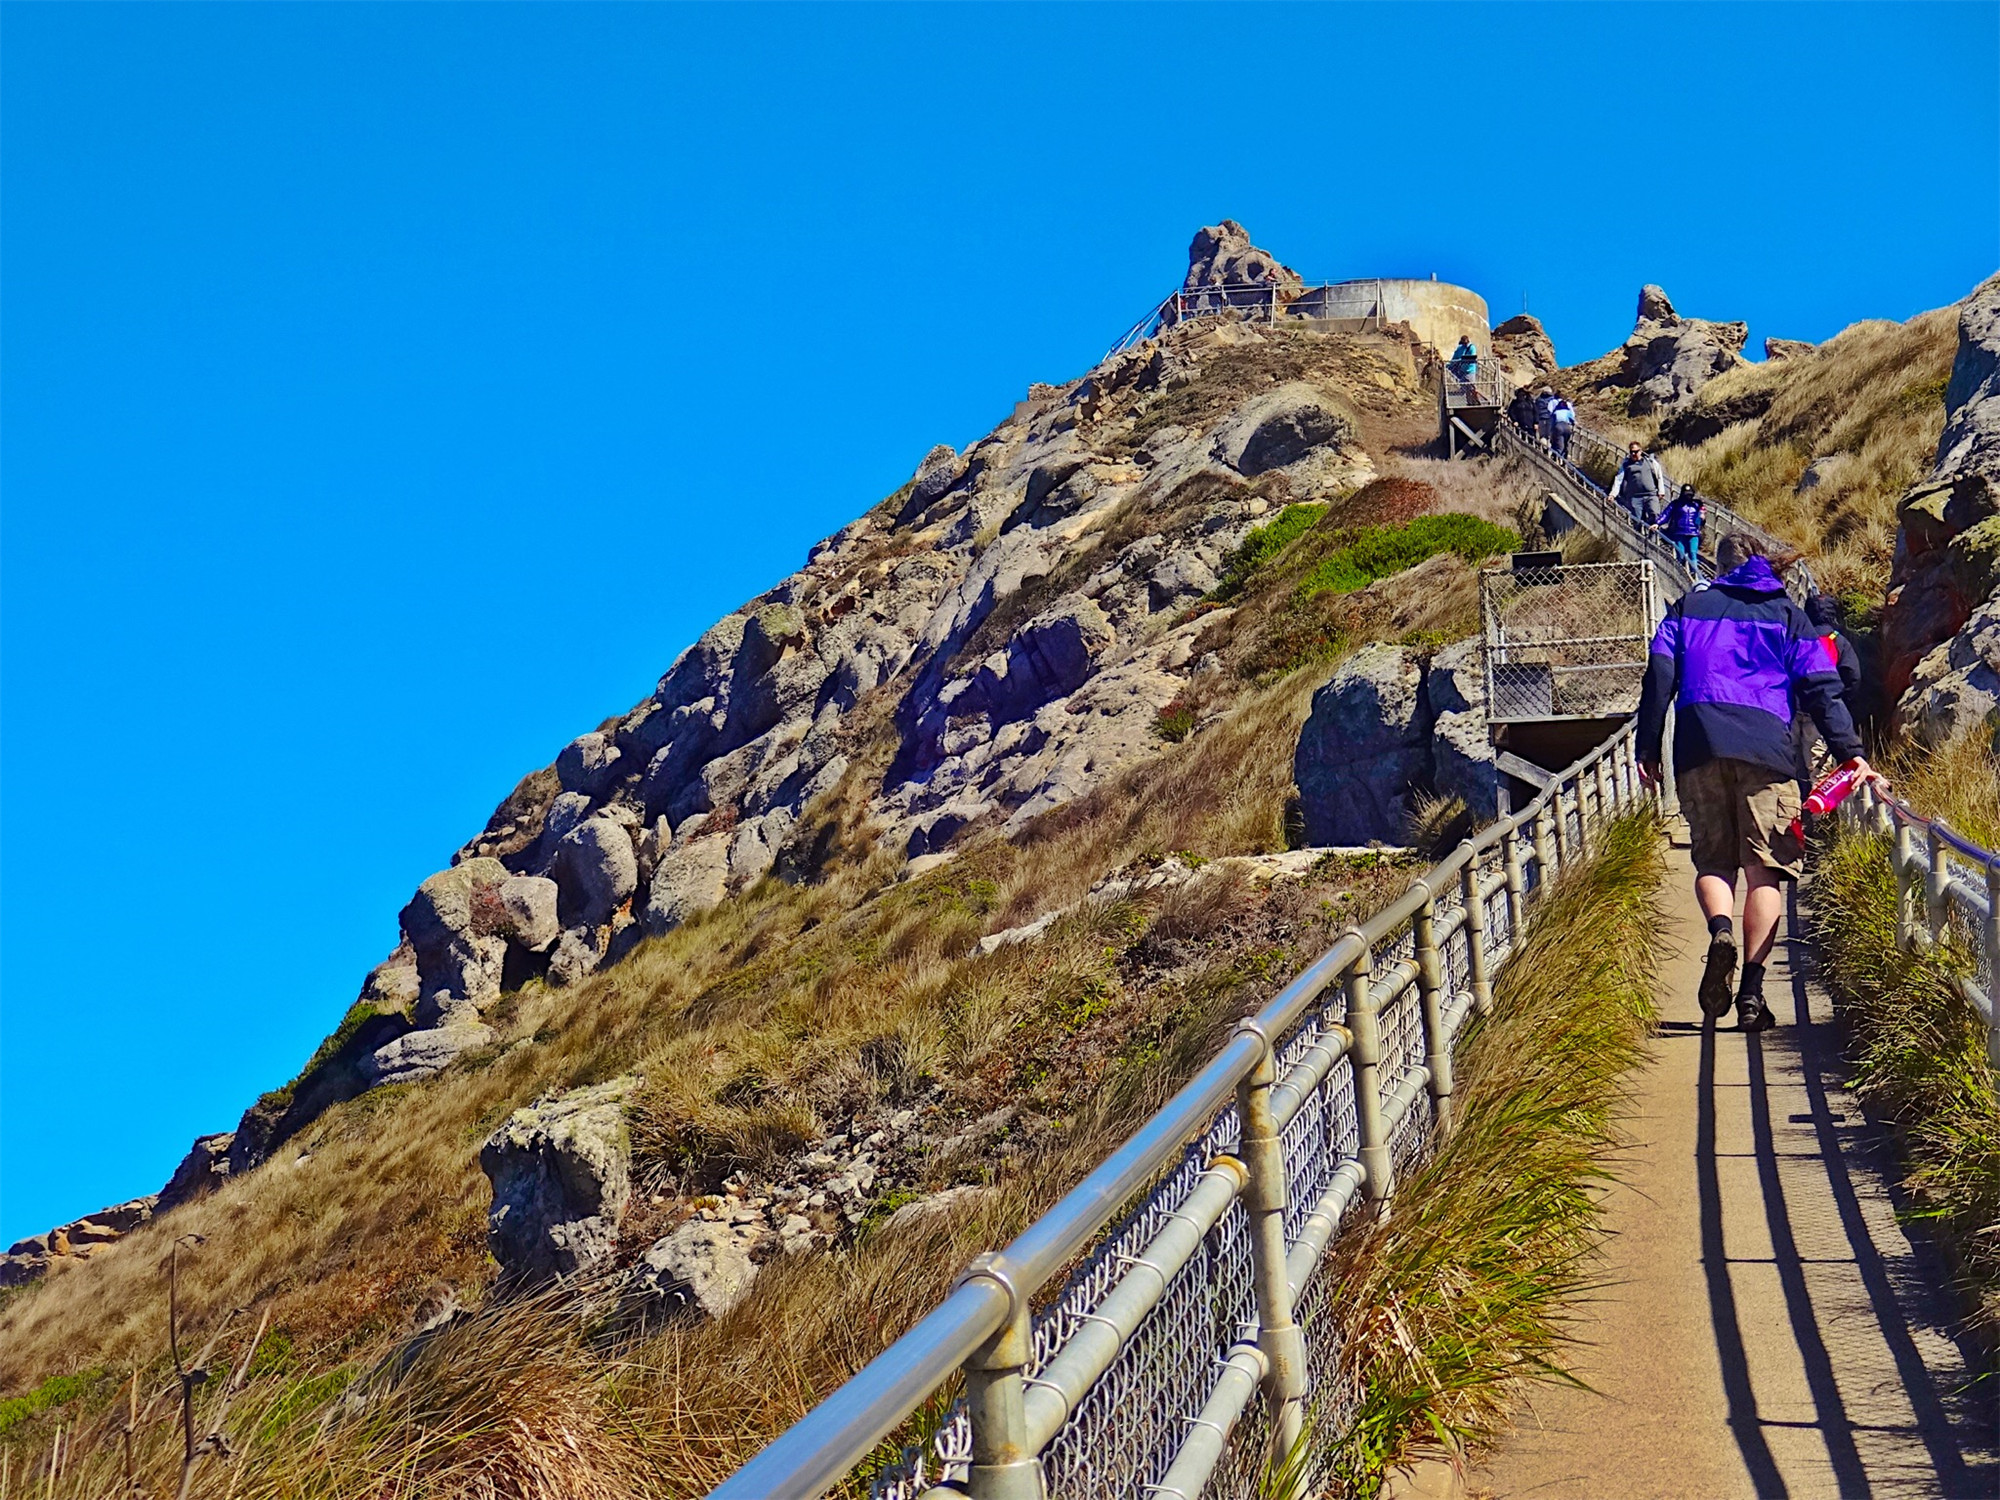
point(1682, 521)
point(1464, 361)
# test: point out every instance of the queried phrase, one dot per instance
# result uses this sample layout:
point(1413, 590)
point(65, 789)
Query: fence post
point(1365, 1057)
point(1582, 815)
point(1517, 885)
point(1558, 826)
point(1264, 1197)
point(1002, 1466)
point(1990, 939)
point(1545, 849)
point(1603, 790)
point(1937, 904)
point(1475, 932)
point(1430, 993)
point(1901, 852)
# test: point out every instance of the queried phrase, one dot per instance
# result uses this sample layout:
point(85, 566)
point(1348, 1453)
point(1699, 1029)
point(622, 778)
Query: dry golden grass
point(1870, 405)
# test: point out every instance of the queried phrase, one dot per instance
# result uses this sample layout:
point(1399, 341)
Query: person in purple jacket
point(1738, 660)
point(1682, 521)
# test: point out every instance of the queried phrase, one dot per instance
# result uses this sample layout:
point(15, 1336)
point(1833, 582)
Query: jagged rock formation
point(1941, 626)
point(1226, 270)
point(1665, 360)
point(562, 1174)
point(1390, 726)
point(28, 1259)
point(1788, 348)
point(1524, 352)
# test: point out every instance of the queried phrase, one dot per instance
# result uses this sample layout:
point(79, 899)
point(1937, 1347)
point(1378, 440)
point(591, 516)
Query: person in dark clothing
point(1521, 411)
point(1737, 661)
point(1825, 617)
point(1682, 521)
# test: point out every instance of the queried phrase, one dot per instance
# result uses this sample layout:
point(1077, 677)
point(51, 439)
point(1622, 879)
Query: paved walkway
point(1768, 1329)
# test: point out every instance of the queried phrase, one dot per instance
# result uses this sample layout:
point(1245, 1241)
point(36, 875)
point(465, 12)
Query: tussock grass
point(1919, 1049)
point(1870, 404)
point(1459, 1297)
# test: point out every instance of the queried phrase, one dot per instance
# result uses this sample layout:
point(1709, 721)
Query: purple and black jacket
point(1738, 660)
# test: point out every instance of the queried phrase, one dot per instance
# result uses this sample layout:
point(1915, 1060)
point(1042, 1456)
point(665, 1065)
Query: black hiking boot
point(1753, 1015)
point(1719, 977)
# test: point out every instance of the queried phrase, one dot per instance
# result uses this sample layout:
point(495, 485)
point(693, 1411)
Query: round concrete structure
point(1437, 311)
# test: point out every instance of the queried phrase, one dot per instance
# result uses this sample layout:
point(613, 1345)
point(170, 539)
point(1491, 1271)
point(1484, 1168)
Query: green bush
point(1382, 551)
point(1264, 543)
point(57, 1390)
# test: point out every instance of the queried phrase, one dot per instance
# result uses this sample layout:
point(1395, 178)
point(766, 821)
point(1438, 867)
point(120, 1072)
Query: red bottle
point(1833, 788)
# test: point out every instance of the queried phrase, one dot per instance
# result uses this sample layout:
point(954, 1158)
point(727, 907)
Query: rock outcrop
point(1666, 359)
point(1525, 354)
point(1939, 633)
point(1226, 270)
point(702, 1268)
point(1788, 348)
point(30, 1259)
point(561, 1173)
point(1388, 727)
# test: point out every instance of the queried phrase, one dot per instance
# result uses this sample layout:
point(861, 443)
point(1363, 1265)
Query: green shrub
point(1174, 722)
point(1375, 552)
point(57, 1390)
point(1264, 543)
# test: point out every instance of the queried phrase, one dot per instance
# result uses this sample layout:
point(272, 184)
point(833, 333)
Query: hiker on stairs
point(1562, 426)
point(1737, 661)
point(1682, 521)
point(1640, 485)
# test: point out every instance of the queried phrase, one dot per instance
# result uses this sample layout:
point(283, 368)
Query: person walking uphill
point(1737, 660)
point(1641, 484)
point(1682, 522)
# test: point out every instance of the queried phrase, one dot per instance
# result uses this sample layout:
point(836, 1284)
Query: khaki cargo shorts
point(1741, 814)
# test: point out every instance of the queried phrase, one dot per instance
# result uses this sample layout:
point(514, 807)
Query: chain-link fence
point(1565, 641)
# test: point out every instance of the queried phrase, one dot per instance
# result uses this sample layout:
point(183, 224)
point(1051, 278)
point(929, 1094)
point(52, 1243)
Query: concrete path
point(1767, 1328)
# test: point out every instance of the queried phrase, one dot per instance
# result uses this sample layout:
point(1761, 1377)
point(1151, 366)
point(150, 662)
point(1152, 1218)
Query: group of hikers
point(1640, 486)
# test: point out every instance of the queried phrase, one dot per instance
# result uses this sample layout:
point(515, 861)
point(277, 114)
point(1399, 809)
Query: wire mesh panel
point(1565, 642)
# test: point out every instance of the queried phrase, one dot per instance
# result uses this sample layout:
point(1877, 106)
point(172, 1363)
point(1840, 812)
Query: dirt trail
point(1768, 1329)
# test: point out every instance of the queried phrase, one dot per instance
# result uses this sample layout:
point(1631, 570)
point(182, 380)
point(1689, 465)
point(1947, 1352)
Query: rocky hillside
point(1123, 578)
point(915, 883)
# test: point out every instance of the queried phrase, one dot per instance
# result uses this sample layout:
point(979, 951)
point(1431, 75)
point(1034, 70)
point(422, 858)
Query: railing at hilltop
point(1947, 891)
point(1356, 302)
point(1205, 1311)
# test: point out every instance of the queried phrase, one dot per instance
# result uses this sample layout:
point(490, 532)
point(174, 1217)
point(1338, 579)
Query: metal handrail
point(1188, 302)
point(1933, 897)
point(983, 1326)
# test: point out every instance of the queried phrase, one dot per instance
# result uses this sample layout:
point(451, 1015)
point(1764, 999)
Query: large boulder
point(595, 871)
point(1523, 351)
point(415, 1055)
point(1365, 749)
point(1947, 551)
point(589, 764)
point(1667, 358)
point(1461, 743)
point(204, 1169)
point(1956, 687)
point(561, 1172)
point(702, 1268)
point(1282, 426)
point(527, 914)
point(1226, 270)
point(692, 877)
point(459, 960)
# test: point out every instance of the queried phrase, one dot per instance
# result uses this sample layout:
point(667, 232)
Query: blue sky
point(391, 391)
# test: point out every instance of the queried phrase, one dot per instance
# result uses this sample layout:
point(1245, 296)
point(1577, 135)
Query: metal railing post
point(1264, 1198)
point(1901, 852)
point(1558, 827)
point(1475, 932)
point(1545, 848)
point(1430, 992)
point(1990, 940)
point(1583, 818)
point(1365, 1056)
point(1003, 1468)
point(1937, 900)
point(1603, 791)
point(1516, 881)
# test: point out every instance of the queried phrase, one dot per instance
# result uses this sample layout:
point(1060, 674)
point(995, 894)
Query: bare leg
point(1763, 904)
point(1716, 894)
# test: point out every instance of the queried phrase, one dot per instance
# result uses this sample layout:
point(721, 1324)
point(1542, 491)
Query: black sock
point(1752, 987)
point(1718, 927)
